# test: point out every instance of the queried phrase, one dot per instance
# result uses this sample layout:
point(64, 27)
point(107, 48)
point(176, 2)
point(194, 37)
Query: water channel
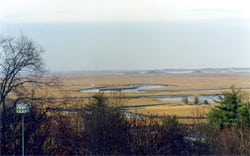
point(142, 88)
point(129, 89)
point(208, 98)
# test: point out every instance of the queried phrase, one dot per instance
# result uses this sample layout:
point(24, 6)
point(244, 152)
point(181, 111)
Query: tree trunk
point(3, 125)
point(1, 108)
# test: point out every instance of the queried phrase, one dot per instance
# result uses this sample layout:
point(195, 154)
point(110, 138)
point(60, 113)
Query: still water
point(209, 98)
point(129, 89)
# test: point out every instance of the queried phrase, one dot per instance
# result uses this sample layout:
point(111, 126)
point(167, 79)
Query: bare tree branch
point(20, 63)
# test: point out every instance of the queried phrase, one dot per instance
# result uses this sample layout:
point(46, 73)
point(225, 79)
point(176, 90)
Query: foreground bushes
point(36, 131)
point(105, 128)
point(107, 131)
point(101, 128)
point(104, 125)
point(231, 112)
point(163, 136)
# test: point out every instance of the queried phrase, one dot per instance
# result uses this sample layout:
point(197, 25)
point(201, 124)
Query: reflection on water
point(209, 98)
point(146, 87)
point(133, 115)
point(91, 90)
point(204, 90)
point(132, 89)
point(74, 111)
point(134, 107)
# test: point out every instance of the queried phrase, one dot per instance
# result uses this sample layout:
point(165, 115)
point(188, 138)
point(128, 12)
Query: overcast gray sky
point(133, 34)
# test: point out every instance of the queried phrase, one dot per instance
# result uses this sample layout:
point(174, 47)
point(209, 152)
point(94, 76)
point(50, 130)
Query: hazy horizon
point(136, 35)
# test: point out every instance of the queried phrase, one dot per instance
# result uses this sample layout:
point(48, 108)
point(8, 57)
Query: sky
point(133, 34)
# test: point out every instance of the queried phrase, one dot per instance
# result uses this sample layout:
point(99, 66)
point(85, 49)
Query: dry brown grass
point(71, 84)
point(174, 109)
point(182, 81)
point(74, 83)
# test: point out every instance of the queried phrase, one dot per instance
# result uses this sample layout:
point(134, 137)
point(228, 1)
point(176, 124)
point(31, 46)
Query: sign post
point(22, 108)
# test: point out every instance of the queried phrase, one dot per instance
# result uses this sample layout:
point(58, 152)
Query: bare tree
point(20, 63)
point(21, 66)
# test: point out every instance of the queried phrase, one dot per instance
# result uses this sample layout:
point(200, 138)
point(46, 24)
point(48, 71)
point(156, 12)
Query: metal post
point(22, 134)
point(22, 108)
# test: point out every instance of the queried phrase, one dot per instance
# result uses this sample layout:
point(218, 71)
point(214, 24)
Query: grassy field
point(190, 84)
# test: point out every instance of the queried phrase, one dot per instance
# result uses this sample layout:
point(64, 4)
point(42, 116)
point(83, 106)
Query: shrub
point(36, 131)
point(185, 100)
point(206, 102)
point(105, 127)
point(231, 111)
point(231, 141)
point(196, 100)
point(171, 141)
point(153, 136)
